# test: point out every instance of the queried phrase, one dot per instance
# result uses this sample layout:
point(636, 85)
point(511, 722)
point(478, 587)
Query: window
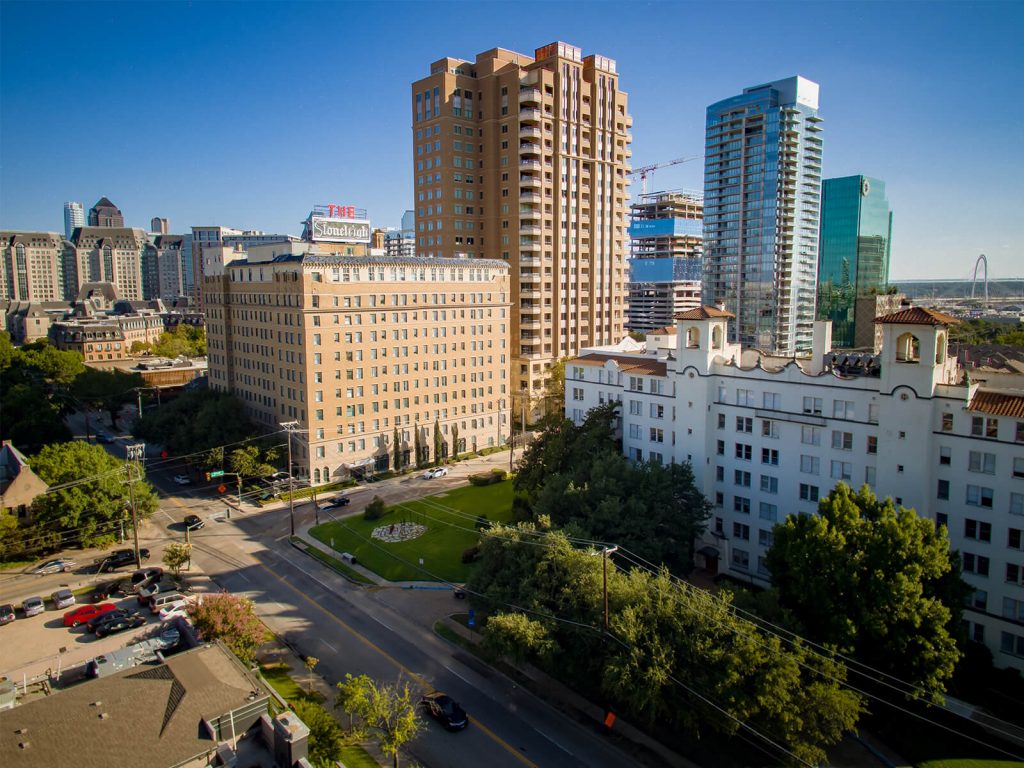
point(842, 441)
point(1014, 538)
point(744, 424)
point(657, 411)
point(634, 431)
point(977, 530)
point(841, 470)
point(810, 465)
point(947, 422)
point(770, 456)
point(872, 444)
point(772, 401)
point(765, 538)
point(978, 599)
point(744, 452)
point(741, 531)
point(1013, 609)
point(720, 449)
point(720, 474)
point(635, 407)
point(984, 427)
point(741, 478)
point(810, 436)
point(1019, 434)
point(979, 496)
point(842, 409)
point(721, 421)
point(768, 511)
point(741, 505)
point(745, 397)
point(741, 560)
point(982, 462)
point(1014, 573)
point(943, 490)
point(808, 492)
point(975, 564)
point(1017, 503)
point(1018, 466)
point(873, 413)
point(577, 393)
point(945, 456)
point(769, 428)
point(1011, 643)
point(869, 476)
point(812, 405)
point(769, 484)
point(657, 435)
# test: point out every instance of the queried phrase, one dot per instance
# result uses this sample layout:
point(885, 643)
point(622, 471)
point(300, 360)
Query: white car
point(182, 480)
point(177, 608)
point(435, 472)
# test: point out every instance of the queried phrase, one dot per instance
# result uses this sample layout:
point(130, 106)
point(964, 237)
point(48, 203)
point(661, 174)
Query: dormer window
point(692, 337)
point(908, 348)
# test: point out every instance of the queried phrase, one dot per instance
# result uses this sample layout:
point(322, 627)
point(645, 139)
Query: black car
point(336, 502)
point(445, 710)
point(194, 522)
point(118, 559)
point(112, 589)
point(118, 613)
point(146, 574)
point(120, 624)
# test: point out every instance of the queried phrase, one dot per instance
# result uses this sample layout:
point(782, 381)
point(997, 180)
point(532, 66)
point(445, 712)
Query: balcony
point(529, 247)
point(530, 182)
point(529, 95)
point(529, 115)
point(530, 131)
point(529, 277)
point(530, 293)
point(529, 229)
point(529, 148)
point(530, 165)
point(529, 197)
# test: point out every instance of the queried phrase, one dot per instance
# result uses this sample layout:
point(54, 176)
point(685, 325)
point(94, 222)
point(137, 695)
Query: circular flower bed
point(395, 532)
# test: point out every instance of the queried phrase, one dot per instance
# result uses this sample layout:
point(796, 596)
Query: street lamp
point(289, 427)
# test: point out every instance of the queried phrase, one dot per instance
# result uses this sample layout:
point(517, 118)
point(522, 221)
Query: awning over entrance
point(361, 463)
point(708, 551)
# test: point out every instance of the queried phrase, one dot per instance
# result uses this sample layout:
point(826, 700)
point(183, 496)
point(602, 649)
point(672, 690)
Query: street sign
point(471, 621)
point(221, 488)
point(216, 473)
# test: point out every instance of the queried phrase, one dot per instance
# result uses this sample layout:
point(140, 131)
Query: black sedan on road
point(194, 522)
point(336, 503)
point(119, 558)
point(120, 624)
point(445, 710)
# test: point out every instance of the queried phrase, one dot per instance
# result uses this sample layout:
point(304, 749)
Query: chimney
point(821, 345)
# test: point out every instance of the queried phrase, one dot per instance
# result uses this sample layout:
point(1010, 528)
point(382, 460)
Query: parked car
point(32, 606)
point(194, 522)
point(103, 618)
point(84, 613)
point(182, 480)
point(7, 614)
point(150, 588)
point(445, 710)
point(60, 565)
point(118, 559)
point(62, 598)
point(144, 574)
point(120, 624)
point(109, 589)
point(430, 474)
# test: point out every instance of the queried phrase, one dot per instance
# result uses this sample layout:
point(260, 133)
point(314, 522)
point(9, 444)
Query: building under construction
point(666, 240)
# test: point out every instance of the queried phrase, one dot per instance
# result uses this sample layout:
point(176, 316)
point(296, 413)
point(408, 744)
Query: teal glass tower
point(853, 261)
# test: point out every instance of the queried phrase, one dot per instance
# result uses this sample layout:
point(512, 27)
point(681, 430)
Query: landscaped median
point(449, 533)
point(331, 562)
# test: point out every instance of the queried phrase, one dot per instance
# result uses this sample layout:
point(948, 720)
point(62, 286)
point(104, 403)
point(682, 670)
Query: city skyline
point(328, 121)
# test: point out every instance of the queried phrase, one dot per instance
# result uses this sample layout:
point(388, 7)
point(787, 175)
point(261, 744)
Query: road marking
point(460, 676)
point(329, 645)
point(389, 629)
point(282, 538)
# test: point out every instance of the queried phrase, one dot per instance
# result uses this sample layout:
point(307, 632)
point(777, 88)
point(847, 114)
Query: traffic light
point(207, 475)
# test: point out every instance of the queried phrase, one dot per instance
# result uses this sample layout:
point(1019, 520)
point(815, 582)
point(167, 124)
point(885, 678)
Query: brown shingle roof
point(998, 403)
point(703, 313)
point(668, 329)
point(918, 316)
point(631, 363)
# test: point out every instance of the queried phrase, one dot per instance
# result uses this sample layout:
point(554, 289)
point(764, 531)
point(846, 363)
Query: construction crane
point(645, 171)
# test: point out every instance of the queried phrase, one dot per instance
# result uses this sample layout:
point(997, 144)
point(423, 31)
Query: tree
point(387, 711)
point(516, 636)
point(873, 581)
point(455, 440)
point(398, 451)
point(56, 366)
point(438, 442)
point(418, 445)
point(310, 662)
point(90, 503)
point(176, 555)
point(250, 461)
point(326, 738)
point(554, 391)
point(231, 619)
point(198, 422)
point(105, 389)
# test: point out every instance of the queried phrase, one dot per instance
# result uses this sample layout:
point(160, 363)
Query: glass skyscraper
point(762, 197)
point(856, 229)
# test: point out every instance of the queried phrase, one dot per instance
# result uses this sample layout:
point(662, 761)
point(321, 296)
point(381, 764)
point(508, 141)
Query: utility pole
point(604, 560)
point(134, 452)
point(289, 426)
point(511, 430)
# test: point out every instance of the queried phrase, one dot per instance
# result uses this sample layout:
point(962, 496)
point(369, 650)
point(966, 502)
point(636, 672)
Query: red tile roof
point(998, 403)
point(703, 313)
point(631, 363)
point(918, 316)
point(668, 329)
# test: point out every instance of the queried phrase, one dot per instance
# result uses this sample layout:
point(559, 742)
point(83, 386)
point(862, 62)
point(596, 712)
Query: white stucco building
point(769, 436)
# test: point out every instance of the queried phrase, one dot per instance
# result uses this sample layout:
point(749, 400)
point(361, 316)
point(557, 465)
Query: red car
point(83, 613)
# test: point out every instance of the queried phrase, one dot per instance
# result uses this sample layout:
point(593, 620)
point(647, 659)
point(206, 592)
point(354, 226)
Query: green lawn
point(357, 757)
point(280, 680)
point(440, 547)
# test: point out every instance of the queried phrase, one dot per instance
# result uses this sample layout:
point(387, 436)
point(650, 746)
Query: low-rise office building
point(357, 348)
point(768, 437)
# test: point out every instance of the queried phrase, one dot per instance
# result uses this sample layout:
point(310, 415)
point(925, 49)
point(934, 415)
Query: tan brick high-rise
point(525, 159)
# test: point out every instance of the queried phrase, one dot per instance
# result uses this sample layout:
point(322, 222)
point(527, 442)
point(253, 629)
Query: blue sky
point(247, 114)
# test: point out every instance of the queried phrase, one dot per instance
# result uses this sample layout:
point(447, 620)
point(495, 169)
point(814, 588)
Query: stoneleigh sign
point(340, 230)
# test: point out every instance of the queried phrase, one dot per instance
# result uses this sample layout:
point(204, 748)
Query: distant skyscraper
point(74, 216)
point(665, 258)
point(159, 226)
point(105, 214)
point(762, 189)
point(853, 261)
point(524, 158)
